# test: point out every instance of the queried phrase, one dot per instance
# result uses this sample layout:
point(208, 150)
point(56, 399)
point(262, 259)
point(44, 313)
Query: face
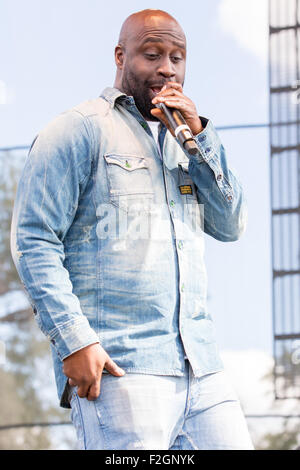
point(154, 56)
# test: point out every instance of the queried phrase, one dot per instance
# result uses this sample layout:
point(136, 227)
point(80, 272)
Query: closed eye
point(151, 56)
point(176, 59)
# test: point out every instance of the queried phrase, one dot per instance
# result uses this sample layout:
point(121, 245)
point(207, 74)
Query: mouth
point(155, 89)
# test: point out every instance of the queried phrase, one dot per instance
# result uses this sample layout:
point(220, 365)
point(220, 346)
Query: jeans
point(154, 412)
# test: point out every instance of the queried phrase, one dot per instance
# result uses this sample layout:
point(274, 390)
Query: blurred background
point(243, 73)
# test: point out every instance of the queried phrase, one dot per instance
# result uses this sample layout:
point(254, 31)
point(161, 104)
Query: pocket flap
point(127, 162)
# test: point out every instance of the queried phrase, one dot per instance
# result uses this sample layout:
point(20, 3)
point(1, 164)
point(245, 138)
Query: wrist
point(197, 127)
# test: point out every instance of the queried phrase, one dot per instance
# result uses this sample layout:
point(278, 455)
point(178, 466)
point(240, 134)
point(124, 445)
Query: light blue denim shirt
point(108, 238)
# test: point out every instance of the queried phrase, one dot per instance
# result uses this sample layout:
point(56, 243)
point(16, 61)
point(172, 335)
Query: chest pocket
point(129, 181)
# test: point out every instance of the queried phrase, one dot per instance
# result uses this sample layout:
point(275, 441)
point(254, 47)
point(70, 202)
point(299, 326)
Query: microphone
point(180, 128)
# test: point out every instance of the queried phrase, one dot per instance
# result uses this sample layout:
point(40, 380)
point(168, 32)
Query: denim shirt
point(108, 238)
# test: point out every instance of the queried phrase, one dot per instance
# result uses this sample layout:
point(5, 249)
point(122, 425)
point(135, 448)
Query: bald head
point(145, 21)
point(151, 52)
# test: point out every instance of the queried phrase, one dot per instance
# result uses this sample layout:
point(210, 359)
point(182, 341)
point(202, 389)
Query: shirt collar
point(112, 94)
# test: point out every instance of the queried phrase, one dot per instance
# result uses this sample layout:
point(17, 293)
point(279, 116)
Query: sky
point(55, 54)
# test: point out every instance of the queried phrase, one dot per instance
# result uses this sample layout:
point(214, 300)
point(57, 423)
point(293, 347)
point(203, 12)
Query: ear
point(119, 56)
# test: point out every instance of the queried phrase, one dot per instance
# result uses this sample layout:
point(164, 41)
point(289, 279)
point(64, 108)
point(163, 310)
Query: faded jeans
point(155, 412)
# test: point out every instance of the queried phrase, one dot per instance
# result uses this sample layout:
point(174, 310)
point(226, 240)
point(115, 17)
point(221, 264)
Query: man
point(107, 236)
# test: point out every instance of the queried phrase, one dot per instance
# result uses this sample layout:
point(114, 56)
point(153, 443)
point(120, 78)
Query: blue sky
point(55, 54)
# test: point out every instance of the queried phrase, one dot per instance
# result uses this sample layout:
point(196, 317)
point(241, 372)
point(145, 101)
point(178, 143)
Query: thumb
point(156, 112)
point(112, 367)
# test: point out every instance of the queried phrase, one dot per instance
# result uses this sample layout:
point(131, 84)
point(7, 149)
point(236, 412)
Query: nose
point(166, 68)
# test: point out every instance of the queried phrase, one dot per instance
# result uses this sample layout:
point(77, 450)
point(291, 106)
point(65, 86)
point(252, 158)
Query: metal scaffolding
point(284, 83)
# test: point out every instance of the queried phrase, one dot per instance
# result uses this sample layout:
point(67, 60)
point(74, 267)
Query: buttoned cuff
point(210, 145)
point(208, 142)
point(72, 336)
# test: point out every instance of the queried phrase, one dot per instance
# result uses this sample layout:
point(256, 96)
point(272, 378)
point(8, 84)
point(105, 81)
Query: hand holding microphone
point(179, 114)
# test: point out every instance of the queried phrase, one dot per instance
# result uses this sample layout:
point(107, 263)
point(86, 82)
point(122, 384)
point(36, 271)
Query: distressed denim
point(148, 412)
point(108, 238)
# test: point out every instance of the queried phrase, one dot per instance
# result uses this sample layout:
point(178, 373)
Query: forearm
point(57, 310)
point(47, 197)
point(218, 189)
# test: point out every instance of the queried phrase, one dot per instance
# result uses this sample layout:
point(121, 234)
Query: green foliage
point(17, 409)
point(10, 168)
point(27, 350)
point(289, 436)
point(287, 439)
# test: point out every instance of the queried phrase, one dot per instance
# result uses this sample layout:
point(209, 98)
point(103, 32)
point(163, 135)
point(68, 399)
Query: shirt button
point(219, 177)
point(229, 198)
point(207, 150)
point(172, 203)
point(180, 244)
point(182, 287)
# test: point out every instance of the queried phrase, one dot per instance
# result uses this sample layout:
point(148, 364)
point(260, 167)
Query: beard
point(140, 91)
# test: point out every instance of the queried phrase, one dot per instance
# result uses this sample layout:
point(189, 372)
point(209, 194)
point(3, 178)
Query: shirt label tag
point(186, 189)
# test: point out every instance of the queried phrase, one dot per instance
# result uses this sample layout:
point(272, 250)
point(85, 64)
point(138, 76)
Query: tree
point(287, 439)
point(27, 350)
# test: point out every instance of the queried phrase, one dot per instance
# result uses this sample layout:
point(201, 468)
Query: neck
point(118, 84)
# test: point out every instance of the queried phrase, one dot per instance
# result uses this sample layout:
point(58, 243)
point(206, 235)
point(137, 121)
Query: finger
point(168, 92)
point(72, 383)
point(175, 103)
point(112, 367)
point(172, 103)
point(156, 112)
point(82, 390)
point(175, 85)
point(94, 391)
point(162, 95)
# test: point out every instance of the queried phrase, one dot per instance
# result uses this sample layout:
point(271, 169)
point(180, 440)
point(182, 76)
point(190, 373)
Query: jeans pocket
point(77, 420)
